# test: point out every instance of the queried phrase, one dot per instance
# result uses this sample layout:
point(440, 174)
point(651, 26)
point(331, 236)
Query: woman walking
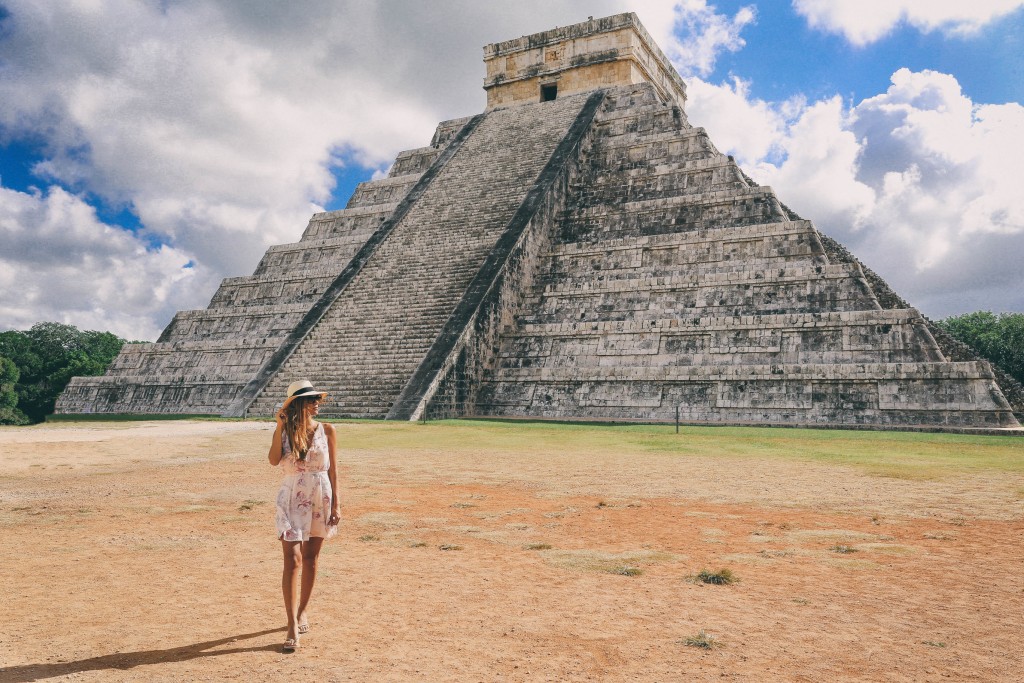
point(308, 507)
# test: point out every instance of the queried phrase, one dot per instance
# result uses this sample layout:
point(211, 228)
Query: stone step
point(383, 190)
point(207, 376)
point(619, 144)
point(693, 212)
point(413, 161)
point(856, 337)
point(660, 265)
point(241, 363)
point(362, 313)
point(183, 379)
point(298, 291)
point(662, 351)
point(361, 220)
point(616, 111)
point(894, 373)
point(701, 276)
point(747, 195)
point(668, 185)
point(664, 170)
point(353, 212)
point(782, 340)
point(238, 343)
point(355, 339)
point(241, 311)
point(287, 276)
point(367, 325)
point(359, 352)
point(830, 319)
point(310, 256)
point(446, 130)
point(368, 362)
point(803, 297)
point(887, 394)
point(315, 243)
point(771, 231)
point(652, 121)
point(247, 321)
point(629, 153)
point(142, 395)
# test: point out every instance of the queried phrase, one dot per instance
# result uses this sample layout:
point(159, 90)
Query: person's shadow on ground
point(127, 660)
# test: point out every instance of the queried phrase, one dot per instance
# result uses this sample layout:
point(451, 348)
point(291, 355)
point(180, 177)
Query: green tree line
point(997, 337)
point(36, 365)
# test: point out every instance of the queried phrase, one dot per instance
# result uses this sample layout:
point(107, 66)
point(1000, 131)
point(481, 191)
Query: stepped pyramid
point(577, 251)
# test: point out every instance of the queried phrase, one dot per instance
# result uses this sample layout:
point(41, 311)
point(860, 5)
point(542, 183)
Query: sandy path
point(145, 551)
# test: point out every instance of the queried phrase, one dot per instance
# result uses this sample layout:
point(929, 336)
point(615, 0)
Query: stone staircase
point(374, 336)
point(675, 282)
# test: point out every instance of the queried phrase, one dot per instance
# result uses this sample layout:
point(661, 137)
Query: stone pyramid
point(577, 251)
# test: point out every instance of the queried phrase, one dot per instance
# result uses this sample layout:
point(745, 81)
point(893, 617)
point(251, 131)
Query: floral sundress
point(304, 500)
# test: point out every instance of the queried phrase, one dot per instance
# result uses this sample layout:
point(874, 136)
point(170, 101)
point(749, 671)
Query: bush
point(999, 338)
point(46, 357)
point(9, 413)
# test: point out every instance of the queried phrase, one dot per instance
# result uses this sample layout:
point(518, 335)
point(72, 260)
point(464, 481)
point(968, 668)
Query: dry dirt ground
point(145, 551)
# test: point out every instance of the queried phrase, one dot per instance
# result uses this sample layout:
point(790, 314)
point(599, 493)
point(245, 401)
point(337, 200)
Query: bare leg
point(310, 557)
point(290, 583)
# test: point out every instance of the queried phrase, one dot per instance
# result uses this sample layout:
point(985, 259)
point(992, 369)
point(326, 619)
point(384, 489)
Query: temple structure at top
point(578, 250)
point(602, 53)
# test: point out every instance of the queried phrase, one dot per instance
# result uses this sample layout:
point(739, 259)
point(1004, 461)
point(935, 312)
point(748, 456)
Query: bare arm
point(274, 456)
point(332, 474)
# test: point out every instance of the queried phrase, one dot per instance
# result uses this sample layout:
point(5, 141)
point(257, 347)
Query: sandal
point(304, 628)
point(290, 645)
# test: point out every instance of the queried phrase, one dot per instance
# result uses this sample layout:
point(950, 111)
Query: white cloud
point(750, 129)
point(58, 262)
point(217, 138)
point(919, 182)
point(698, 34)
point(946, 170)
point(820, 170)
point(865, 21)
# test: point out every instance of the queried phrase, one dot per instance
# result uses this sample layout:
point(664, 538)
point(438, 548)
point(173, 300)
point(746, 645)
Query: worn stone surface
point(590, 257)
point(674, 282)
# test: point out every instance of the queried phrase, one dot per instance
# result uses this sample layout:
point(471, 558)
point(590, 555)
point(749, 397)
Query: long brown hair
point(298, 424)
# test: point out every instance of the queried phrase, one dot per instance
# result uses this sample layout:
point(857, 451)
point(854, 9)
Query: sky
point(149, 149)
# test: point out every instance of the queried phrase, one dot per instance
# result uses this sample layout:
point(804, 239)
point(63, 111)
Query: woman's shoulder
point(328, 428)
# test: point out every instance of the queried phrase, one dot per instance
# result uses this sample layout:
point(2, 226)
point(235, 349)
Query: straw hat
point(301, 389)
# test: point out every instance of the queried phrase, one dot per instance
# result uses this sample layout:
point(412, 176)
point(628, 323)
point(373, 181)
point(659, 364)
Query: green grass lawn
point(904, 455)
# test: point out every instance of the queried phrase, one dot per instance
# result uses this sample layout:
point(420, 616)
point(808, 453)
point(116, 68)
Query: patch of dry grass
point(596, 561)
point(702, 639)
point(723, 577)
